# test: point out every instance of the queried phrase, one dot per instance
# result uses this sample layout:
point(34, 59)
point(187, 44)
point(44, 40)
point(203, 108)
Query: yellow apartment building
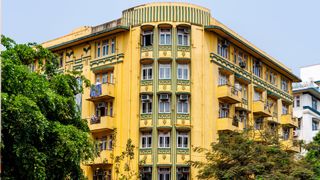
point(170, 77)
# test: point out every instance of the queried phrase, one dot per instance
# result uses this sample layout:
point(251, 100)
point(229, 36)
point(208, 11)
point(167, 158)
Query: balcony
point(290, 146)
point(243, 105)
point(228, 94)
point(101, 92)
point(261, 108)
point(103, 123)
point(273, 118)
point(104, 157)
point(227, 124)
point(287, 119)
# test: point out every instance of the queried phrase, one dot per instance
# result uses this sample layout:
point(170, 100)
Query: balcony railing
point(98, 91)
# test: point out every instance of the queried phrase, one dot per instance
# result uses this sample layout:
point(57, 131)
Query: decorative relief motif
point(146, 88)
point(165, 116)
point(164, 151)
point(164, 121)
point(145, 122)
point(165, 53)
point(146, 48)
point(165, 47)
point(183, 157)
point(146, 82)
point(145, 116)
point(246, 75)
point(165, 81)
point(164, 157)
point(164, 87)
point(183, 48)
point(78, 67)
point(183, 116)
point(182, 151)
point(183, 82)
point(106, 60)
point(145, 151)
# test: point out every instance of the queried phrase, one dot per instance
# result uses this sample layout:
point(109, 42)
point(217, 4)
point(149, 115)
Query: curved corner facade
point(171, 77)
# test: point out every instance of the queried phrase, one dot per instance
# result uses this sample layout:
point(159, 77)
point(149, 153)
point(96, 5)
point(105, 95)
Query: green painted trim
point(294, 77)
point(312, 109)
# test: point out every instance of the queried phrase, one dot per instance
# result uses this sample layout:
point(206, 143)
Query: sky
point(288, 30)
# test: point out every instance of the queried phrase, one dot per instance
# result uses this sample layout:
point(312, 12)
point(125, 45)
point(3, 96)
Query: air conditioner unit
point(147, 169)
point(183, 97)
point(237, 86)
point(164, 97)
point(225, 43)
point(295, 133)
point(242, 64)
point(145, 97)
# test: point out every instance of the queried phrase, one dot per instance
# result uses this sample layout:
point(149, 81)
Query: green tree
point(237, 156)
point(43, 135)
point(313, 155)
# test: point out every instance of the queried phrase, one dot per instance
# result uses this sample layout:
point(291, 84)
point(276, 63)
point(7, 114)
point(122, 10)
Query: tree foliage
point(237, 156)
point(313, 155)
point(43, 135)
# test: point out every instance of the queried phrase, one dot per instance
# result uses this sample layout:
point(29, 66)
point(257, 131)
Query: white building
point(306, 105)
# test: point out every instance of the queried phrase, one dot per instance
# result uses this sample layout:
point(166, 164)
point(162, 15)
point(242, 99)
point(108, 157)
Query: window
point(183, 139)
point(110, 143)
point(97, 78)
point(101, 109)
point(164, 71)
point(297, 104)
point(223, 110)
point(284, 85)
point(164, 140)
point(183, 173)
point(223, 79)
point(109, 175)
point(244, 92)
point(103, 143)
point(99, 174)
point(257, 65)
point(258, 124)
point(183, 72)
point(146, 173)
point(286, 133)
point(111, 108)
point(164, 174)
point(165, 36)
point(183, 104)
point(257, 96)
point(105, 47)
point(113, 46)
point(285, 109)
point(273, 78)
point(147, 38)
point(104, 77)
point(98, 50)
point(223, 48)
point(314, 103)
point(61, 60)
point(146, 103)
point(315, 125)
point(111, 77)
point(146, 72)
point(146, 140)
point(183, 36)
point(164, 103)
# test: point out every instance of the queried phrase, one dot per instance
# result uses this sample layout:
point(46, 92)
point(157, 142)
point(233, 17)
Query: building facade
point(306, 106)
point(170, 77)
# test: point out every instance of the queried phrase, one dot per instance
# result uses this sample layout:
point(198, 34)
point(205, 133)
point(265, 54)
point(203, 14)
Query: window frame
point(182, 32)
point(183, 136)
point(184, 68)
point(167, 36)
point(147, 68)
point(165, 137)
point(148, 137)
point(166, 69)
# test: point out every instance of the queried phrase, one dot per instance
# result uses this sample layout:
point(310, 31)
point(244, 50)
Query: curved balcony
point(287, 119)
point(227, 124)
point(261, 108)
point(101, 92)
point(104, 157)
point(103, 123)
point(228, 94)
